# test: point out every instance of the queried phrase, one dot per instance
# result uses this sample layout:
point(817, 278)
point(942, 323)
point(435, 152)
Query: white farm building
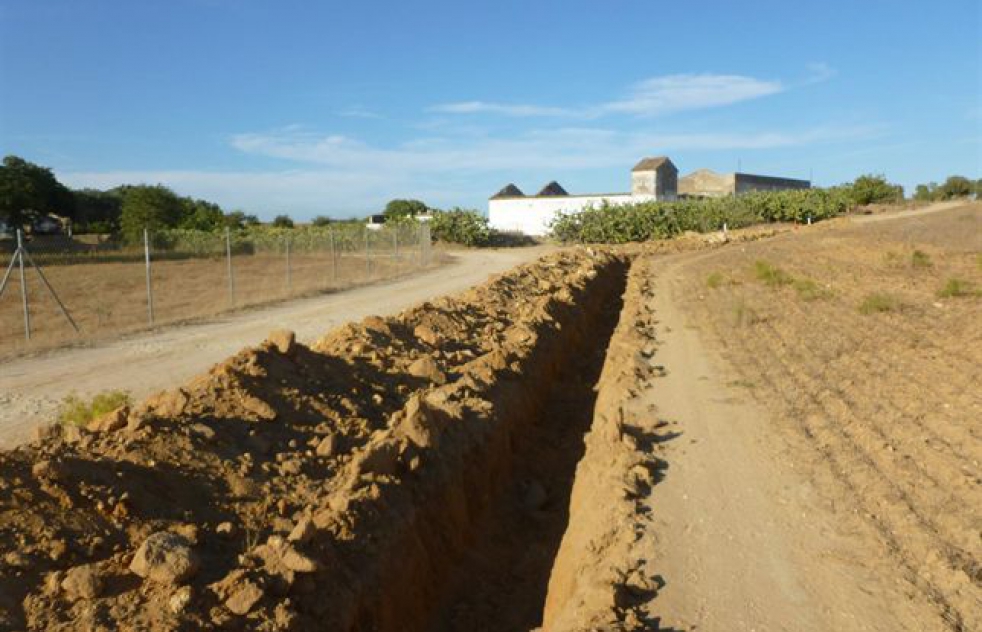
point(512, 211)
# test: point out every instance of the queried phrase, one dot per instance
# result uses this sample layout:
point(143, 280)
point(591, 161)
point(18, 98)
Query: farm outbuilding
point(510, 210)
point(652, 179)
point(708, 183)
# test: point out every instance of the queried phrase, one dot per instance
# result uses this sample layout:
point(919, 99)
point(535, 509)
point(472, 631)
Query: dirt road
point(824, 388)
point(31, 388)
point(740, 538)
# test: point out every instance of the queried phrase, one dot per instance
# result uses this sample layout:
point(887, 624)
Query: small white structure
point(510, 210)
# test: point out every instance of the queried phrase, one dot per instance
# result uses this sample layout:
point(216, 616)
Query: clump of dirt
point(334, 486)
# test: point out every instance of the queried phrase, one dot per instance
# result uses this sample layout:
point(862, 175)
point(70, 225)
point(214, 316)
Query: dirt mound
point(332, 487)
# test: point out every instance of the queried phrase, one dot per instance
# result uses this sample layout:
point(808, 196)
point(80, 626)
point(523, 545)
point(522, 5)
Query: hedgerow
point(643, 221)
point(461, 226)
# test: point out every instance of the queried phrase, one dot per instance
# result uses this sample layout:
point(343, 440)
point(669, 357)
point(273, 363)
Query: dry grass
point(76, 411)
point(109, 299)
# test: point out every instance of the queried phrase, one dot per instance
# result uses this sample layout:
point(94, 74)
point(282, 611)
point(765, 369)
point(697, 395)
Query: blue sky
point(336, 107)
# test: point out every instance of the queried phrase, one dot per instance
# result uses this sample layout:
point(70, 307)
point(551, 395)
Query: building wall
point(643, 183)
point(532, 215)
point(667, 184)
point(745, 183)
point(705, 183)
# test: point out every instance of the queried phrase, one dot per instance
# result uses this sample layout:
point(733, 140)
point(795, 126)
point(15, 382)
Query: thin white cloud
point(566, 148)
point(483, 107)
point(651, 97)
point(676, 93)
point(819, 72)
point(342, 175)
point(357, 111)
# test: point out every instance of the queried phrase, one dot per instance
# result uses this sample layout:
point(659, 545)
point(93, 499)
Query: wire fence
point(59, 290)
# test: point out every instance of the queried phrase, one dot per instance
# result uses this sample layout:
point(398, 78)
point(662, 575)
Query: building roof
point(509, 190)
point(552, 189)
point(652, 164)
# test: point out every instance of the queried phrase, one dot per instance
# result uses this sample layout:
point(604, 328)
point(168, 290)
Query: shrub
point(809, 290)
point(461, 226)
point(877, 302)
point(954, 288)
point(920, 259)
point(771, 275)
point(78, 412)
point(714, 280)
point(642, 221)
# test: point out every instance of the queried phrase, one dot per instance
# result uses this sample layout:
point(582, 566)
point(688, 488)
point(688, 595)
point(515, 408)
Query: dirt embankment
point(353, 485)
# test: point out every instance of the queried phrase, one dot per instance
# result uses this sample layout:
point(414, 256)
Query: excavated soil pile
point(358, 484)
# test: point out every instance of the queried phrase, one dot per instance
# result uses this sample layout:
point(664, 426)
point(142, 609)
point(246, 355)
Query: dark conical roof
point(510, 190)
point(553, 189)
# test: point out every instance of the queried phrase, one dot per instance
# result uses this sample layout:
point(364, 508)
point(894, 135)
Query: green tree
point(404, 208)
point(873, 189)
point(201, 215)
point(321, 220)
point(97, 211)
point(282, 221)
point(150, 207)
point(955, 187)
point(925, 192)
point(28, 190)
point(240, 219)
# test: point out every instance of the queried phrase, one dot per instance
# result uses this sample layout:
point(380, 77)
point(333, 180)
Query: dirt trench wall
point(461, 436)
point(328, 487)
point(598, 580)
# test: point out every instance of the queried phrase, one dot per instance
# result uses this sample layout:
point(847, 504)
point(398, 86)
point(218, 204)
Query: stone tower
point(655, 179)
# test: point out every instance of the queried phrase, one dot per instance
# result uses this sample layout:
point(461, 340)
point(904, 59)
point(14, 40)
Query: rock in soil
point(165, 558)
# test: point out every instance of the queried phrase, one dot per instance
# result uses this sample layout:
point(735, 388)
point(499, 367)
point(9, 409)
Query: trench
point(500, 584)
point(480, 549)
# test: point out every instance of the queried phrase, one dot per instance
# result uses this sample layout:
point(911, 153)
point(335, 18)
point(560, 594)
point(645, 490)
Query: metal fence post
point(289, 280)
point(334, 258)
point(368, 254)
point(395, 243)
point(146, 258)
point(23, 285)
point(228, 258)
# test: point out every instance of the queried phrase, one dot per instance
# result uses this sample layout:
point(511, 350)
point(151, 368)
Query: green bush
point(76, 411)
point(771, 275)
point(874, 189)
point(878, 302)
point(954, 288)
point(461, 226)
point(642, 221)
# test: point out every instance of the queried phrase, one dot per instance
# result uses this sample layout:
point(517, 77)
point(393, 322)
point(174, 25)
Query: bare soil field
point(864, 341)
point(108, 299)
point(641, 438)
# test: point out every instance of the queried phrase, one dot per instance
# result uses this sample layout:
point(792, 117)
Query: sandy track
point(740, 538)
point(826, 471)
point(32, 387)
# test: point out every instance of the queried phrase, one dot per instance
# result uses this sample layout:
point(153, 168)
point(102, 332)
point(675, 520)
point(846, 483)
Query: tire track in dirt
point(845, 460)
point(850, 385)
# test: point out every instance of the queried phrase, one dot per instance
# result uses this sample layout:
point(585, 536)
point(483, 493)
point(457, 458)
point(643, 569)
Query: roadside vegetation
point(878, 302)
point(77, 411)
point(956, 288)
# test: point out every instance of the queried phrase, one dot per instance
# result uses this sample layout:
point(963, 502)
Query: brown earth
point(559, 447)
point(108, 299)
point(862, 442)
